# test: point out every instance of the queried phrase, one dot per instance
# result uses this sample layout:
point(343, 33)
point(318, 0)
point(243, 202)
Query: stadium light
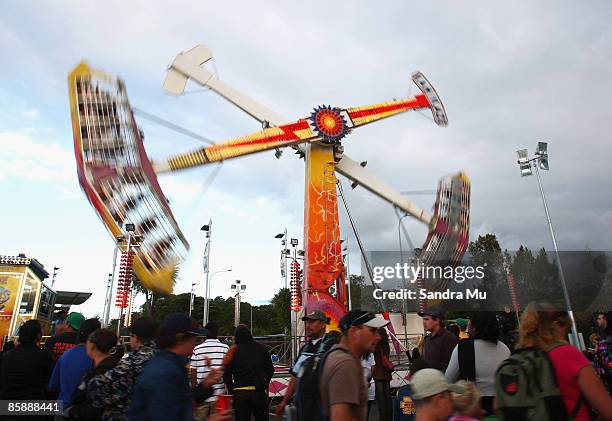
point(540, 161)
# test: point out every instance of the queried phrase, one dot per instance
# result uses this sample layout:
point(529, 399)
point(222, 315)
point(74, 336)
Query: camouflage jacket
point(113, 390)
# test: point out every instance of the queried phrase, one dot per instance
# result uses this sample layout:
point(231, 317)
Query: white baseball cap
point(429, 381)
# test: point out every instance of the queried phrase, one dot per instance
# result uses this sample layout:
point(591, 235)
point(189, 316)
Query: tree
point(166, 305)
point(150, 296)
point(486, 253)
point(536, 277)
point(281, 304)
point(222, 312)
point(484, 244)
point(357, 283)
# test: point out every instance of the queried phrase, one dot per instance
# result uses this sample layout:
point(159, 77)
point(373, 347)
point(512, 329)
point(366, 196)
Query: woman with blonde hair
point(545, 327)
point(466, 405)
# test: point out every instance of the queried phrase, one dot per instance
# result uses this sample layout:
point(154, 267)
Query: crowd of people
point(468, 372)
point(538, 376)
point(476, 369)
point(148, 378)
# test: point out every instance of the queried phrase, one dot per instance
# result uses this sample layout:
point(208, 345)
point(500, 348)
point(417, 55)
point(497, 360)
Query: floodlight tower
point(538, 162)
point(206, 264)
point(284, 254)
point(238, 287)
point(55, 269)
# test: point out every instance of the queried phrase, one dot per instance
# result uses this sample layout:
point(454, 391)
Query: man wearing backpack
point(303, 373)
point(343, 391)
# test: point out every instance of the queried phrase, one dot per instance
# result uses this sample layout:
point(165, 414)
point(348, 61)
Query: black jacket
point(250, 364)
point(25, 373)
point(80, 407)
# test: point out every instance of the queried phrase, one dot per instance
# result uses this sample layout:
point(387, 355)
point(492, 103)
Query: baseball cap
point(432, 312)
point(429, 381)
point(74, 320)
point(88, 327)
point(316, 315)
point(461, 322)
point(144, 327)
point(180, 323)
point(361, 318)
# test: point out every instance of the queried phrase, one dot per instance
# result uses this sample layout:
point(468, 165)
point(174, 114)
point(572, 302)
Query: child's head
point(467, 403)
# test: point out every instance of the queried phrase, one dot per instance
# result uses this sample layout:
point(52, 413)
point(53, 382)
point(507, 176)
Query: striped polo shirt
point(215, 350)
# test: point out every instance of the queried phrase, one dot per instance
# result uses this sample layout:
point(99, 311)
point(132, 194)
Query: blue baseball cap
point(181, 323)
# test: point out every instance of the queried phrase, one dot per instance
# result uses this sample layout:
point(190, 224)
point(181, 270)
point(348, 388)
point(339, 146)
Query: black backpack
point(307, 397)
point(527, 388)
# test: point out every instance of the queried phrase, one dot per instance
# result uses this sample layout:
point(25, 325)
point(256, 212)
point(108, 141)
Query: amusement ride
point(121, 182)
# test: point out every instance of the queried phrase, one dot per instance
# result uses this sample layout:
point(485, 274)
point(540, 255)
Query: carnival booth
point(24, 295)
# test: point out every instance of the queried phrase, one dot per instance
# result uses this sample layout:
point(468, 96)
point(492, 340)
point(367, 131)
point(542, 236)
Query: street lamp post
point(207, 307)
point(540, 161)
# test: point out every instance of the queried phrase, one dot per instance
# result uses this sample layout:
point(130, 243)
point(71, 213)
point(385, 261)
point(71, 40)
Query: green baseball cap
point(74, 320)
point(316, 315)
point(462, 323)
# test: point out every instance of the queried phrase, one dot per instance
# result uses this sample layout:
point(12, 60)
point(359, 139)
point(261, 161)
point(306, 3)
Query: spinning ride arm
point(188, 65)
point(325, 124)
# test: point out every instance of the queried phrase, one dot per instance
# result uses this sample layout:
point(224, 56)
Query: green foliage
point(486, 252)
point(268, 319)
point(536, 278)
point(357, 283)
point(150, 296)
point(281, 316)
point(484, 243)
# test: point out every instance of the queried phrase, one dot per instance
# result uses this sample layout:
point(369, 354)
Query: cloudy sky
point(510, 75)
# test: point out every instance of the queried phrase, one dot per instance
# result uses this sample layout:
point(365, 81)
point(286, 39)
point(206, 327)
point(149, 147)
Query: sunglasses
point(364, 318)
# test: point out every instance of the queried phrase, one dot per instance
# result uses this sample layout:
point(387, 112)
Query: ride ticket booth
point(23, 295)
